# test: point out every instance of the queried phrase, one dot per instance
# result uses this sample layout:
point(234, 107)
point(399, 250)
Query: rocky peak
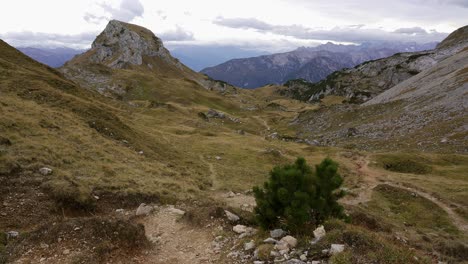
point(121, 44)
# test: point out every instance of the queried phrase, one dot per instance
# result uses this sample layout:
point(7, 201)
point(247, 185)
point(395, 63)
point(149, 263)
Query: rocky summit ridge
point(124, 49)
point(121, 44)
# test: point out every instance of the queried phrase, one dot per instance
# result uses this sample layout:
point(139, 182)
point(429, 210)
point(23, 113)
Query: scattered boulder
point(319, 233)
point(215, 114)
point(282, 246)
point(176, 211)
point(277, 233)
point(45, 171)
point(270, 241)
point(336, 248)
point(249, 246)
point(12, 234)
point(240, 229)
point(294, 261)
point(144, 209)
point(291, 241)
point(231, 217)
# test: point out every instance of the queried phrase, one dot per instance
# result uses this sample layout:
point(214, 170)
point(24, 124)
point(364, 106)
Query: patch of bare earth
point(177, 241)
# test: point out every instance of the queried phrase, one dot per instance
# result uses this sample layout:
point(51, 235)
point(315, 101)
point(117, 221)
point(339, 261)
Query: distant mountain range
point(54, 57)
point(312, 64)
point(200, 57)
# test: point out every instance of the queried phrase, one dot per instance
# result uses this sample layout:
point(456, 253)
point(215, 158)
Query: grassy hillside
point(156, 144)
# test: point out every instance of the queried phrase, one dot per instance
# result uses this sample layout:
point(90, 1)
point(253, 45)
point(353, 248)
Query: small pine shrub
point(295, 196)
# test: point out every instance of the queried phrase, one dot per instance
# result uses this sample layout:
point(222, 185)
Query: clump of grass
point(3, 242)
point(264, 251)
point(345, 257)
point(69, 195)
point(108, 235)
point(404, 163)
point(454, 250)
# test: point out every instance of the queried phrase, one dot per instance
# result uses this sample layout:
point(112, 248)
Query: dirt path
point(213, 174)
point(369, 178)
point(457, 220)
point(176, 241)
point(372, 178)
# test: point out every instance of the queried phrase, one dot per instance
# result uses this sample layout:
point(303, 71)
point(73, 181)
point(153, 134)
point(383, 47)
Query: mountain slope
point(312, 64)
point(371, 78)
point(54, 57)
point(126, 59)
point(426, 111)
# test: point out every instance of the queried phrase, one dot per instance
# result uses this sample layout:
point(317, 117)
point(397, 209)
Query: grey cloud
point(27, 38)
point(179, 34)
point(413, 30)
point(127, 11)
point(244, 23)
point(90, 18)
point(356, 34)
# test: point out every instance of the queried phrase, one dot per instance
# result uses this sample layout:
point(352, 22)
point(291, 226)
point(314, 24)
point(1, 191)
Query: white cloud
point(127, 10)
point(297, 21)
point(353, 33)
point(178, 34)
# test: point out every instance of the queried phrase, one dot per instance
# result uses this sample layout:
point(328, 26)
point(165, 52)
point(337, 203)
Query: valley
point(125, 155)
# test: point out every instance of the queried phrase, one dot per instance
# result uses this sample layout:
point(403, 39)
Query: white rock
point(303, 257)
point(66, 252)
point(319, 233)
point(336, 248)
point(239, 229)
point(277, 233)
point(12, 234)
point(45, 171)
point(249, 245)
point(291, 241)
point(282, 245)
point(218, 158)
point(231, 217)
point(315, 262)
point(176, 211)
point(144, 209)
point(259, 262)
point(270, 241)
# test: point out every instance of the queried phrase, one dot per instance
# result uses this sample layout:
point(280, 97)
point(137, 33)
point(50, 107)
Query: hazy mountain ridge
point(415, 100)
point(122, 49)
point(371, 78)
point(279, 68)
point(54, 57)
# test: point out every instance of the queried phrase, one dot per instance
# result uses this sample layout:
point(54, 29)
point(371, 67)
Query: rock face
point(311, 64)
point(121, 44)
point(371, 78)
point(126, 46)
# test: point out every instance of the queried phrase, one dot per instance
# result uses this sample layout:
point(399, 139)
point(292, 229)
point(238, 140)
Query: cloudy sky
point(271, 25)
